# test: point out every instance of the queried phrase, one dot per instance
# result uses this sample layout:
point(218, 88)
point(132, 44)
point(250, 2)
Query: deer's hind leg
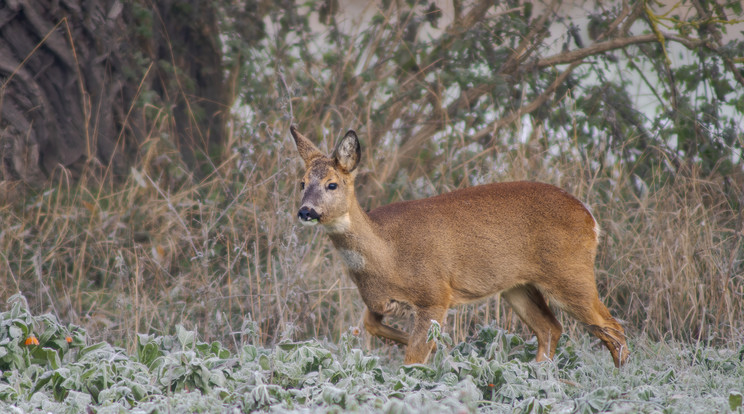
point(530, 306)
point(581, 300)
point(600, 323)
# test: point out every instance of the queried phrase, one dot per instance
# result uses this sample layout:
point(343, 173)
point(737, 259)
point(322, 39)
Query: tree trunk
point(71, 72)
point(189, 73)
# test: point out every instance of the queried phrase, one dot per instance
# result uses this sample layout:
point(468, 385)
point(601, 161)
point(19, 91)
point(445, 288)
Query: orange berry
point(31, 340)
point(68, 339)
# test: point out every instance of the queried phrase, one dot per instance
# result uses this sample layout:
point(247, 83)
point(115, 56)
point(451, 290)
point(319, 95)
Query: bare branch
point(619, 43)
point(601, 47)
point(472, 17)
point(520, 53)
point(623, 14)
point(529, 107)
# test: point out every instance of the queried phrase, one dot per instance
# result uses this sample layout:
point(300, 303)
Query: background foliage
point(633, 107)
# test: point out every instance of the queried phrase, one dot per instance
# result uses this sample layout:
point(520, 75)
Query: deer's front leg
point(373, 324)
point(418, 348)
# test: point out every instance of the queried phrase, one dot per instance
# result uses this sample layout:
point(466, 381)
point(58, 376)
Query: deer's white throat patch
point(354, 260)
point(341, 224)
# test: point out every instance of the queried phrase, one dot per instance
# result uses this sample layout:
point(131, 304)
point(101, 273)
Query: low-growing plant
point(492, 372)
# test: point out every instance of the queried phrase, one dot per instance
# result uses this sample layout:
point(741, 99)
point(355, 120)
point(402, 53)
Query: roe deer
point(529, 241)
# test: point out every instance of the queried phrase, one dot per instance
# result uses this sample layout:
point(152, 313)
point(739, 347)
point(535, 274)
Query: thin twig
point(178, 216)
point(289, 96)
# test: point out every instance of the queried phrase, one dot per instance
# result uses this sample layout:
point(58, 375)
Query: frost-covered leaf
point(735, 400)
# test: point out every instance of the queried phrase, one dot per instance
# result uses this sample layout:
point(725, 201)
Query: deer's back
point(515, 232)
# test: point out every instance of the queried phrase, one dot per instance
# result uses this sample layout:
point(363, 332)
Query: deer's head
point(328, 183)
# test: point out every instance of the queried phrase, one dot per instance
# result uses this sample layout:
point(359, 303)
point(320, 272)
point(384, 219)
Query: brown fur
point(530, 241)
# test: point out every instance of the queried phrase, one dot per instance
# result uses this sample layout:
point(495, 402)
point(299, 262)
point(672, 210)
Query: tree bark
point(63, 94)
point(71, 72)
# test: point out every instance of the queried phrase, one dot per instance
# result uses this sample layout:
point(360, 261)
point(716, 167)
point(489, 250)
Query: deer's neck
point(354, 236)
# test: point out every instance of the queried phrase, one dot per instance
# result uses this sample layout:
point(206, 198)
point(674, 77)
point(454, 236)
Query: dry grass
point(672, 260)
point(160, 248)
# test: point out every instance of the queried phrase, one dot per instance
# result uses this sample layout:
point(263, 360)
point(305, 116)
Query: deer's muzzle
point(308, 216)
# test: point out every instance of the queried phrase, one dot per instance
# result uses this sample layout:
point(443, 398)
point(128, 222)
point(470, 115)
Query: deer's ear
point(307, 150)
point(348, 152)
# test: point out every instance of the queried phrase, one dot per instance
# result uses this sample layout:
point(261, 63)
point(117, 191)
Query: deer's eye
point(302, 185)
point(332, 186)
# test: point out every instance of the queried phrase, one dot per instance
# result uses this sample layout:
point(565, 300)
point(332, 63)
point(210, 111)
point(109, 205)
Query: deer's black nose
point(308, 214)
